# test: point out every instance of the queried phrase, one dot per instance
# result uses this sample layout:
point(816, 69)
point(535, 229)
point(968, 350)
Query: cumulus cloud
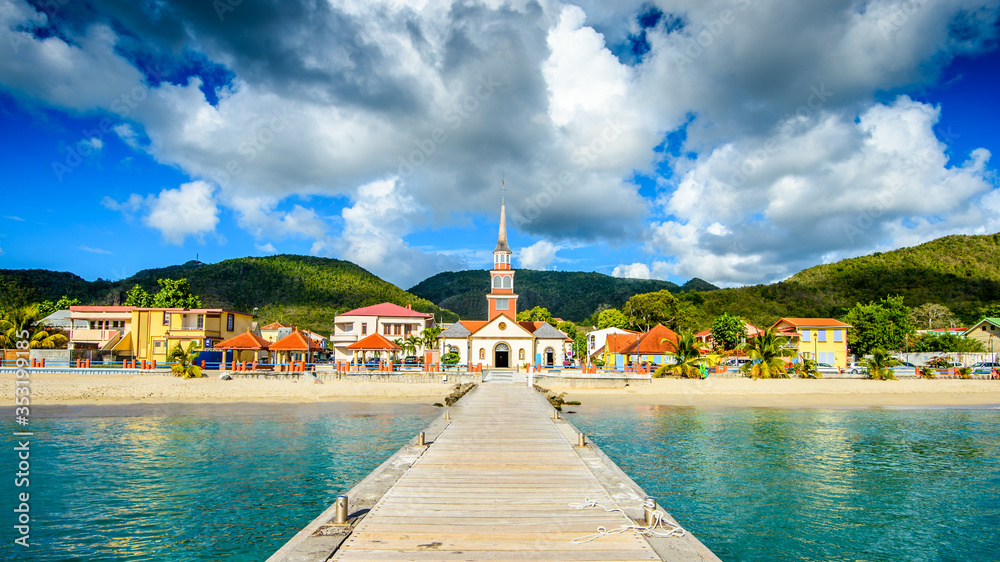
point(759, 209)
point(281, 101)
point(539, 255)
point(374, 228)
point(632, 271)
point(266, 248)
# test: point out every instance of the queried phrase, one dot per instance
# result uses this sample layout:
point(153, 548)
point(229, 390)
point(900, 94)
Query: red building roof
point(386, 309)
point(813, 322)
point(296, 341)
point(275, 326)
point(618, 343)
point(374, 342)
point(245, 340)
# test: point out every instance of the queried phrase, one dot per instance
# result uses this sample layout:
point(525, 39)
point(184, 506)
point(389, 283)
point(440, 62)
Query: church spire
point(502, 238)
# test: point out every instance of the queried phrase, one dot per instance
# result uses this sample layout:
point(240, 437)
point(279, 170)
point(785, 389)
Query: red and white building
point(502, 342)
point(387, 319)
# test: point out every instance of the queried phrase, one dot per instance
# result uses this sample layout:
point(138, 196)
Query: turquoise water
point(197, 482)
point(192, 482)
point(769, 484)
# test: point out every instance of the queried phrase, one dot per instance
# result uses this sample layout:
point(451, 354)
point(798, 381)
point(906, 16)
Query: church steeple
point(501, 298)
point(502, 239)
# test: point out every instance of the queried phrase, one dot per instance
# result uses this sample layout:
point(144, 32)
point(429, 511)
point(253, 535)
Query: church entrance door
point(501, 356)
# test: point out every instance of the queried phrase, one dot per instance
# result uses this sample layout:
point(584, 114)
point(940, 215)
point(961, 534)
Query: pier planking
point(494, 483)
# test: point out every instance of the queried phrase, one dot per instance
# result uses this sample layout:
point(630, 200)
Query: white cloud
point(820, 189)
point(189, 210)
point(93, 250)
point(266, 248)
point(631, 271)
point(373, 233)
point(539, 255)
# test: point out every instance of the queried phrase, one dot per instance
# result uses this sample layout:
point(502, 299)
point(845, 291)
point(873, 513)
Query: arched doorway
point(550, 356)
point(501, 356)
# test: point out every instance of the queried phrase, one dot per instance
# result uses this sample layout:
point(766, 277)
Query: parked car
point(985, 367)
point(411, 360)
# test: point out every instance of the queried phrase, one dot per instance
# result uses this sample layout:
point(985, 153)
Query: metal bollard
point(341, 517)
point(420, 439)
point(581, 440)
point(555, 414)
point(649, 510)
point(447, 414)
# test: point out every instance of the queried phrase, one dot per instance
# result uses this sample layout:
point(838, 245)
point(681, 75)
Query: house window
point(230, 322)
point(821, 336)
point(520, 354)
point(838, 336)
point(201, 321)
point(452, 349)
point(396, 329)
point(805, 335)
point(364, 328)
point(507, 283)
point(502, 304)
point(482, 354)
point(496, 282)
point(387, 329)
point(407, 329)
point(166, 318)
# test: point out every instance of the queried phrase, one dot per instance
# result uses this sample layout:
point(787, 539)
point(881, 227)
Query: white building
point(597, 339)
point(390, 320)
point(502, 342)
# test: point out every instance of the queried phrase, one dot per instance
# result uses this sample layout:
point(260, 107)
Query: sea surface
point(207, 482)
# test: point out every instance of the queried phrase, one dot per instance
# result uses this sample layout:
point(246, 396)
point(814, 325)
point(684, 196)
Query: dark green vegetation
point(570, 295)
point(959, 272)
point(300, 290)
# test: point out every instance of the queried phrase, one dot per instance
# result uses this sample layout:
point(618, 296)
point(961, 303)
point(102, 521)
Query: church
point(501, 342)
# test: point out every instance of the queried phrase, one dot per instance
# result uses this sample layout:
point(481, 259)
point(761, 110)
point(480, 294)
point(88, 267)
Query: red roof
point(473, 325)
point(246, 340)
point(275, 326)
point(85, 308)
point(617, 343)
point(296, 341)
point(374, 342)
point(650, 342)
point(385, 309)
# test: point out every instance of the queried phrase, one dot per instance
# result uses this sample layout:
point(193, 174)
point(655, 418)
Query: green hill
point(299, 290)
point(569, 295)
point(960, 272)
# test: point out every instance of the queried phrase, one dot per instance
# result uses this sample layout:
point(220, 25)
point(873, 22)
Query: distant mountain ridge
point(961, 272)
point(300, 290)
point(570, 295)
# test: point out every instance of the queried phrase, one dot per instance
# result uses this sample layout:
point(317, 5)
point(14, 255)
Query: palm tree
point(413, 343)
point(689, 356)
point(880, 365)
point(23, 319)
point(183, 361)
point(767, 352)
point(431, 336)
point(807, 369)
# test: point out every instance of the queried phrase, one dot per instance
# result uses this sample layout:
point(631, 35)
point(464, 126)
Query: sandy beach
point(78, 389)
point(796, 393)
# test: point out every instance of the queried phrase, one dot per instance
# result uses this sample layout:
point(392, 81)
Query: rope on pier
point(660, 527)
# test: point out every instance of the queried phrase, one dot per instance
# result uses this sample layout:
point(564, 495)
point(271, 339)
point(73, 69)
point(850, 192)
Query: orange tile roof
point(275, 326)
point(473, 325)
point(296, 341)
point(246, 340)
point(813, 322)
point(650, 342)
point(374, 342)
point(617, 343)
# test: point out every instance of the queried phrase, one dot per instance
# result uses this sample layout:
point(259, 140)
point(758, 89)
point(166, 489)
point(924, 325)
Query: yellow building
point(823, 340)
point(154, 331)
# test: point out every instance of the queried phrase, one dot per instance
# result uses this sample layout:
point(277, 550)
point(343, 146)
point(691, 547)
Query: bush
point(451, 358)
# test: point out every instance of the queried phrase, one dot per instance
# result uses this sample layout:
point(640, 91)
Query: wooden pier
point(500, 480)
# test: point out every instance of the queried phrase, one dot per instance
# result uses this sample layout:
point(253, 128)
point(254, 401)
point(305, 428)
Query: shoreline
point(71, 389)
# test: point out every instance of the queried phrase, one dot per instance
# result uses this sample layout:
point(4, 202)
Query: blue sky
point(734, 141)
